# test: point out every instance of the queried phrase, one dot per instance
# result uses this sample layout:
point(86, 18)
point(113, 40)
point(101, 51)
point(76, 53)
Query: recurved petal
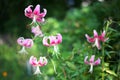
point(52, 40)
point(45, 41)
point(59, 38)
point(28, 43)
point(33, 61)
point(20, 41)
point(45, 60)
point(85, 60)
point(39, 19)
point(28, 11)
point(42, 61)
point(89, 39)
point(43, 13)
point(102, 37)
point(97, 61)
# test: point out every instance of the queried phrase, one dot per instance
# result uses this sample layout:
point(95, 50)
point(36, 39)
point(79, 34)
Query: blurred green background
point(73, 19)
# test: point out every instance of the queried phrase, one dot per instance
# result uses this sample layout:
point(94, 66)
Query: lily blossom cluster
point(52, 41)
point(38, 17)
point(41, 62)
point(28, 43)
point(91, 62)
point(35, 15)
point(96, 39)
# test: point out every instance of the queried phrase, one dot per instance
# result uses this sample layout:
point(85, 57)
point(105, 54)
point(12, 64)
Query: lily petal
point(42, 61)
point(20, 41)
point(59, 38)
point(28, 11)
point(45, 41)
point(97, 44)
point(91, 68)
point(28, 43)
point(102, 37)
point(92, 58)
point(52, 40)
point(33, 61)
point(97, 61)
point(43, 13)
point(89, 39)
point(85, 60)
point(103, 34)
point(95, 33)
point(37, 10)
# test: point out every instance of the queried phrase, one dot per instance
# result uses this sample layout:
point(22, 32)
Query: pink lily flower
point(28, 43)
point(37, 31)
point(96, 39)
point(41, 62)
point(92, 62)
point(53, 41)
point(35, 15)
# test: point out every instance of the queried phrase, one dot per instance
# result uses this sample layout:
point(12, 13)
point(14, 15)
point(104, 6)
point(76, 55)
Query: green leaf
point(112, 51)
point(106, 64)
point(71, 65)
point(75, 74)
point(109, 46)
point(108, 54)
point(111, 72)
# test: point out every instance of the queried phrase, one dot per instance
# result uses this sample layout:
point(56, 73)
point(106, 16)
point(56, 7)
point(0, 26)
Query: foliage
point(74, 48)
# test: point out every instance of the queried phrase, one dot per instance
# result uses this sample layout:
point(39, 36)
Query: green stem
point(56, 51)
point(54, 66)
point(103, 61)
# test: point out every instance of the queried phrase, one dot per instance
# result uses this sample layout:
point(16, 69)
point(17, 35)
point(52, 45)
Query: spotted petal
point(28, 11)
point(20, 40)
point(59, 38)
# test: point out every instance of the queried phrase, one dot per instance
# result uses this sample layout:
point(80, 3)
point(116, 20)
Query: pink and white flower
point(37, 31)
point(91, 62)
point(52, 41)
point(96, 39)
point(28, 43)
point(35, 15)
point(41, 62)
